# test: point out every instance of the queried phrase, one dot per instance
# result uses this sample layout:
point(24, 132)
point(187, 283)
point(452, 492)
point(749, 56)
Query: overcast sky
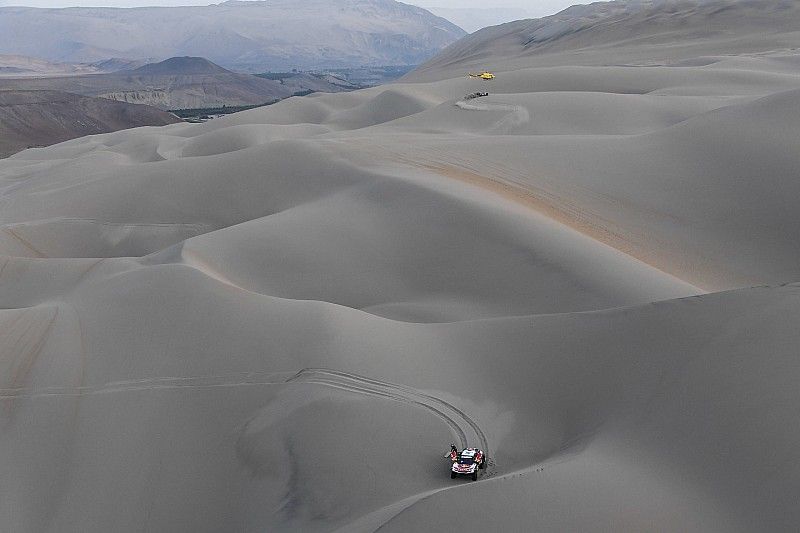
point(551, 6)
point(531, 7)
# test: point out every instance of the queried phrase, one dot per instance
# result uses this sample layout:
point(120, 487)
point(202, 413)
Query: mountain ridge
point(245, 36)
point(40, 118)
point(181, 65)
point(178, 83)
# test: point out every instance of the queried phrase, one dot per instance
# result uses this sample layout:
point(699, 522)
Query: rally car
point(467, 463)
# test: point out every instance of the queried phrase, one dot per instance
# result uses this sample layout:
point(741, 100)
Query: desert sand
point(279, 320)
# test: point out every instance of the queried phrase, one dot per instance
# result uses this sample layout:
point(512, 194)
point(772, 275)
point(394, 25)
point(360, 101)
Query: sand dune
point(642, 32)
point(591, 273)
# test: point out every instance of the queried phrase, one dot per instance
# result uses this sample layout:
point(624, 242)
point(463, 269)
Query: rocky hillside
point(41, 118)
point(176, 83)
point(250, 36)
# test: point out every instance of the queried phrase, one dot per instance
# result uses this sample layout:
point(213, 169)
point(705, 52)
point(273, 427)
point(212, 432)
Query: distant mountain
point(300, 82)
point(371, 76)
point(115, 64)
point(250, 36)
point(41, 118)
point(473, 19)
point(179, 83)
point(181, 66)
point(16, 66)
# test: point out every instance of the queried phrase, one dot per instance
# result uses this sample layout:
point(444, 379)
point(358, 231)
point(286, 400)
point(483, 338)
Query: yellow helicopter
point(483, 75)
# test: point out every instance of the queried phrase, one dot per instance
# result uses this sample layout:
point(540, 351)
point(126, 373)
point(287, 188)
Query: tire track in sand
point(240, 379)
point(459, 422)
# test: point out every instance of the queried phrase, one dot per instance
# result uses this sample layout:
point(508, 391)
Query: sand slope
point(642, 32)
point(591, 273)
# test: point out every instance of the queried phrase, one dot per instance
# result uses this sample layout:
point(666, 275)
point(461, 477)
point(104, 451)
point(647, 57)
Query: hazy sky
point(532, 7)
point(528, 5)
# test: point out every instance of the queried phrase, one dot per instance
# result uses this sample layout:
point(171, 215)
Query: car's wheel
point(475, 475)
point(452, 475)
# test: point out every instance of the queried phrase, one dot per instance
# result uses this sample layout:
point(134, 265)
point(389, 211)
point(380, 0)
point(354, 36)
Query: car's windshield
point(466, 460)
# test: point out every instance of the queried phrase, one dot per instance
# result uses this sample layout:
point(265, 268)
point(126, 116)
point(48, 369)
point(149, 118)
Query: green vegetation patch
point(201, 114)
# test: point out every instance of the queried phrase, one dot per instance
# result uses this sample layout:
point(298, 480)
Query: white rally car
point(467, 463)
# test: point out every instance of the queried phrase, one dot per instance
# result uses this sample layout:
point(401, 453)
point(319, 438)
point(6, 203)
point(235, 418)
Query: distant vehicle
point(472, 96)
point(482, 75)
point(467, 463)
